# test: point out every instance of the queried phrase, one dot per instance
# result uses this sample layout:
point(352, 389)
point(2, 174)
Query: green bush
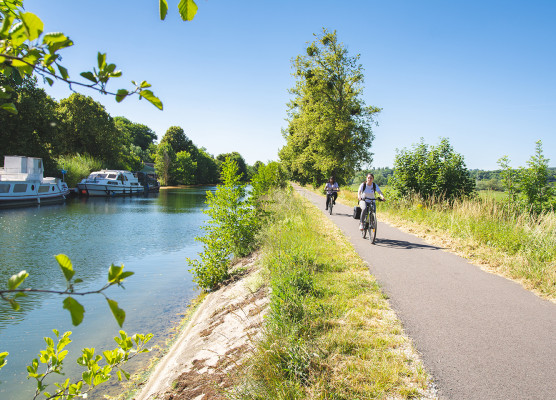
point(432, 172)
point(230, 231)
point(77, 167)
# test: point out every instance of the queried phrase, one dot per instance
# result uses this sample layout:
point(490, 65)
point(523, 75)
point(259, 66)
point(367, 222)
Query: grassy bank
point(330, 333)
point(520, 247)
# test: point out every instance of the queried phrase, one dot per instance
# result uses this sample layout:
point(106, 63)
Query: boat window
point(43, 189)
point(112, 182)
point(20, 188)
point(97, 176)
point(112, 176)
point(4, 187)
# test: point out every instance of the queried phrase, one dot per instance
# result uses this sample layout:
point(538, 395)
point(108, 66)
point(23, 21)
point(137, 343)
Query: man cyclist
point(365, 193)
point(331, 190)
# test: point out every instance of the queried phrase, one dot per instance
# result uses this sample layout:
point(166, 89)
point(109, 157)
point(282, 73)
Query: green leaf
point(118, 313)
point(101, 59)
point(114, 272)
point(89, 75)
point(147, 94)
point(76, 310)
point(122, 94)
point(187, 9)
point(33, 25)
point(14, 304)
point(50, 81)
point(17, 279)
point(56, 41)
point(3, 356)
point(163, 7)
point(6, 24)
point(63, 71)
point(65, 265)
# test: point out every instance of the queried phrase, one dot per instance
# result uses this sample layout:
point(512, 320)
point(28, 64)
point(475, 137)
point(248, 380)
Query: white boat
point(110, 182)
point(22, 183)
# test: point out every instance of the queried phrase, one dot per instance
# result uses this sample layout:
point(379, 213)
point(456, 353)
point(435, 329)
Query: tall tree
point(176, 137)
point(329, 130)
point(87, 128)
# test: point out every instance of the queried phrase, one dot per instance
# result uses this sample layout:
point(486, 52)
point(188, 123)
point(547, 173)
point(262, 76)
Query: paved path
point(480, 336)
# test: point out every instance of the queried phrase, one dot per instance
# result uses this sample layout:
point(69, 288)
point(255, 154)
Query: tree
point(138, 134)
point(207, 168)
point(241, 165)
point(86, 128)
point(185, 168)
point(329, 127)
point(163, 163)
point(536, 190)
point(31, 132)
point(176, 137)
point(432, 172)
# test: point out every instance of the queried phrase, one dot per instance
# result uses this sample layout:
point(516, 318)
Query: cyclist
point(367, 191)
point(331, 190)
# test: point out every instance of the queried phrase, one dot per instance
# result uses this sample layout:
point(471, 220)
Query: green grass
point(330, 333)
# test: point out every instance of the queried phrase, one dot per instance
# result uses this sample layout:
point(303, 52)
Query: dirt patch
point(201, 364)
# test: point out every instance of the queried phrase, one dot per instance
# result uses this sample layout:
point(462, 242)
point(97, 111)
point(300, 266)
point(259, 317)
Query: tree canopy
point(329, 126)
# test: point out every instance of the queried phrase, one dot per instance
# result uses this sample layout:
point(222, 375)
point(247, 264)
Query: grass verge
point(329, 333)
point(518, 247)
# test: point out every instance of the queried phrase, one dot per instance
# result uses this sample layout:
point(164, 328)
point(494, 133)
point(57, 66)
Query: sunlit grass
point(330, 333)
point(518, 246)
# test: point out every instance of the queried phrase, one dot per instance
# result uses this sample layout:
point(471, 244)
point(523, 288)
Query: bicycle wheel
point(372, 227)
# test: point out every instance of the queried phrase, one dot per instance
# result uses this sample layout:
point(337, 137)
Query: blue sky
point(481, 73)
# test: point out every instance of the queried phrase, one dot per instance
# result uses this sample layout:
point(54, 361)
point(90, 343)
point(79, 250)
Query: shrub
point(77, 167)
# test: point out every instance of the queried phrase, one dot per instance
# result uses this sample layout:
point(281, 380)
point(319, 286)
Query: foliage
point(26, 50)
point(32, 131)
point(509, 181)
point(137, 134)
point(116, 276)
point(77, 167)
point(270, 176)
point(382, 175)
point(176, 137)
point(97, 369)
point(229, 232)
point(86, 128)
point(241, 164)
point(534, 182)
point(207, 168)
point(329, 127)
point(185, 168)
point(435, 171)
point(163, 163)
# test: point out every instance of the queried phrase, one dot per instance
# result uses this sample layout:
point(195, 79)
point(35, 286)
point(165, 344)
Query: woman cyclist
point(331, 190)
point(366, 192)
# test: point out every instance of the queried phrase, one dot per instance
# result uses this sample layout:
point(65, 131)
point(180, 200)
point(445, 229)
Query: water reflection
point(151, 236)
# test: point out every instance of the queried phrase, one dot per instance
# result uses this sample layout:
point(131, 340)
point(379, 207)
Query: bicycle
point(329, 203)
point(370, 222)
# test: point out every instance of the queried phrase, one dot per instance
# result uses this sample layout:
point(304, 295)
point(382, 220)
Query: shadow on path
point(402, 244)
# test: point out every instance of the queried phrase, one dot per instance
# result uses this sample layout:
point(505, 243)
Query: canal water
point(152, 236)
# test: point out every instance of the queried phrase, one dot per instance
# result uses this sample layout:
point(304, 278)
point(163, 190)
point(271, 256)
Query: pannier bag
point(356, 212)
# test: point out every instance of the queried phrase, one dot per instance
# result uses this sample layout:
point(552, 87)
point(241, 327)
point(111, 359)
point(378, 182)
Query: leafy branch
point(25, 50)
point(53, 357)
point(116, 276)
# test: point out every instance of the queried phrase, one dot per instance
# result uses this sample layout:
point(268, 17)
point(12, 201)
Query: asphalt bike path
point(480, 336)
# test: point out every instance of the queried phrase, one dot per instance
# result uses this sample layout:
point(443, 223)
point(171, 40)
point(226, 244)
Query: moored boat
point(108, 182)
point(22, 183)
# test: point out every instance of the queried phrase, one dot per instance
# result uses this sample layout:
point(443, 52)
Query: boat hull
point(99, 190)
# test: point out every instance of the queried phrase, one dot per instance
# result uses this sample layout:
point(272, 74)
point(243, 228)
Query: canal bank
point(220, 331)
